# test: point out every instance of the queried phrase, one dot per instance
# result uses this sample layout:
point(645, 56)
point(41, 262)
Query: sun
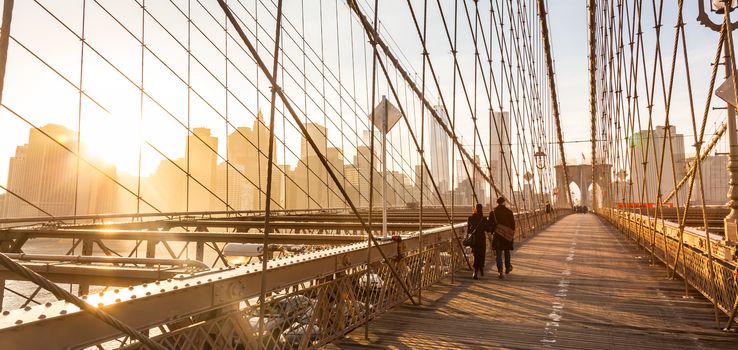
point(117, 141)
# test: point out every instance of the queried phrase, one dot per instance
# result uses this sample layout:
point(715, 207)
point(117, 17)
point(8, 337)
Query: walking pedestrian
point(502, 225)
point(477, 225)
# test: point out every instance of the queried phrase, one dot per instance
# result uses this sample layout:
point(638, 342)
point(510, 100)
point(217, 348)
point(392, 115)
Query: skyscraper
point(500, 154)
point(362, 163)
point(248, 150)
point(202, 158)
point(464, 193)
point(640, 142)
point(715, 178)
point(311, 176)
point(438, 147)
point(44, 172)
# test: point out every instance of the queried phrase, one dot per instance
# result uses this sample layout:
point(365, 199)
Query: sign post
point(384, 117)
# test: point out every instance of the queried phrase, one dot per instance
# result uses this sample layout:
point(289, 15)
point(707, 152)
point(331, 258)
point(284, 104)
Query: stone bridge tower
point(581, 175)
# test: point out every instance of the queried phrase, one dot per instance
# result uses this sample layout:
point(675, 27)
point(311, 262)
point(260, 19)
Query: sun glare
point(116, 141)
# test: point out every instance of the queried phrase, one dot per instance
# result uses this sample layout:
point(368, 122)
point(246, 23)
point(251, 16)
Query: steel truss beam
point(150, 305)
point(169, 236)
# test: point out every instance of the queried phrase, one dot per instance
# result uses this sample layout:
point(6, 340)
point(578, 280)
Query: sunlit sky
point(38, 94)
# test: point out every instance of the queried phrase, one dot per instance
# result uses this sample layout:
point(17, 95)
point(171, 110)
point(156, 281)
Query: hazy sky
point(39, 94)
point(569, 35)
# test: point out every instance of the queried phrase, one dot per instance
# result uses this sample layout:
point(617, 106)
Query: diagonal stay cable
point(312, 143)
point(542, 14)
point(62, 294)
point(421, 96)
point(369, 29)
point(422, 159)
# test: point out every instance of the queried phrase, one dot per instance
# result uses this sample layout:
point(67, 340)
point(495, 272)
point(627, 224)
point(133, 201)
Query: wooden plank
point(577, 285)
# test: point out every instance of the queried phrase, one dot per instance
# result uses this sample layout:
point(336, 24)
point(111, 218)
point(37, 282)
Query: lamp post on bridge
point(540, 157)
point(727, 88)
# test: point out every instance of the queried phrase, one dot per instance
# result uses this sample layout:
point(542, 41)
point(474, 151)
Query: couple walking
point(501, 223)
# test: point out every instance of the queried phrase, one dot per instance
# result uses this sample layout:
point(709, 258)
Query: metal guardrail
point(662, 239)
point(313, 299)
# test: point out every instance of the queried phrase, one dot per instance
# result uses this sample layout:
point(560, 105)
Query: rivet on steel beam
point(41, 317)
point(27, 308)
point(187, 284)
point(18, 321)
point(148, 293)
point(63, 312)
point(158, 283)
point(115, 291)
point(199, 282)
point(47, 304)
point(6, 313)
point(162, 290)
point(175, 287)
point(133, 296)
point(130, 288)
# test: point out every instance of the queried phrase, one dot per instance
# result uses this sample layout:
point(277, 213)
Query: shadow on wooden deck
point(579, 284)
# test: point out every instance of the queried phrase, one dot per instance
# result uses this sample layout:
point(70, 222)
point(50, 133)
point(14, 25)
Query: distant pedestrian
point(502, 225)
point(477, 226)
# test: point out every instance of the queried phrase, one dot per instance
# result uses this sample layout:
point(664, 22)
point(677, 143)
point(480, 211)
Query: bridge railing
point(661, 238)
point(312, 299)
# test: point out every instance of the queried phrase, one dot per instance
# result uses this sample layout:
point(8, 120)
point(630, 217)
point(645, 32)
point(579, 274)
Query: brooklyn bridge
point(269, 174)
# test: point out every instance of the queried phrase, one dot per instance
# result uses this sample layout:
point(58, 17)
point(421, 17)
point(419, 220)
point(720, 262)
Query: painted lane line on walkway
point(557, 307)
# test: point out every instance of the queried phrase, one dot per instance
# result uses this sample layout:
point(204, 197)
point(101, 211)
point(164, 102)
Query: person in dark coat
point(502, 216)
point(477, 225)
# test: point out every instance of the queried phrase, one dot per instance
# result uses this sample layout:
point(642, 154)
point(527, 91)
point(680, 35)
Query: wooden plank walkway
point(579, 284)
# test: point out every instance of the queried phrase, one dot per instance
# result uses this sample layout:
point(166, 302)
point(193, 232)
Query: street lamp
point(540, 157)
point(731, 220)
point(718, 6)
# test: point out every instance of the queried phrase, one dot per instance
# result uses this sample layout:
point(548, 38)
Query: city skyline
point(136, 113)
point(213, 183)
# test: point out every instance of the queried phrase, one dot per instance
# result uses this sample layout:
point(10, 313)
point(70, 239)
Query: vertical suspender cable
point(422, 154)
point(591, 7)
point(371, 169)
point(554, 96)
point(270, 167)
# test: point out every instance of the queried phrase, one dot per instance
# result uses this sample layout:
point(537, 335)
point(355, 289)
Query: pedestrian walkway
point(579, 284)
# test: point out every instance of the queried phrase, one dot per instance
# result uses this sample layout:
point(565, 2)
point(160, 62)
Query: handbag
point(469, 240)
point(505, 232)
